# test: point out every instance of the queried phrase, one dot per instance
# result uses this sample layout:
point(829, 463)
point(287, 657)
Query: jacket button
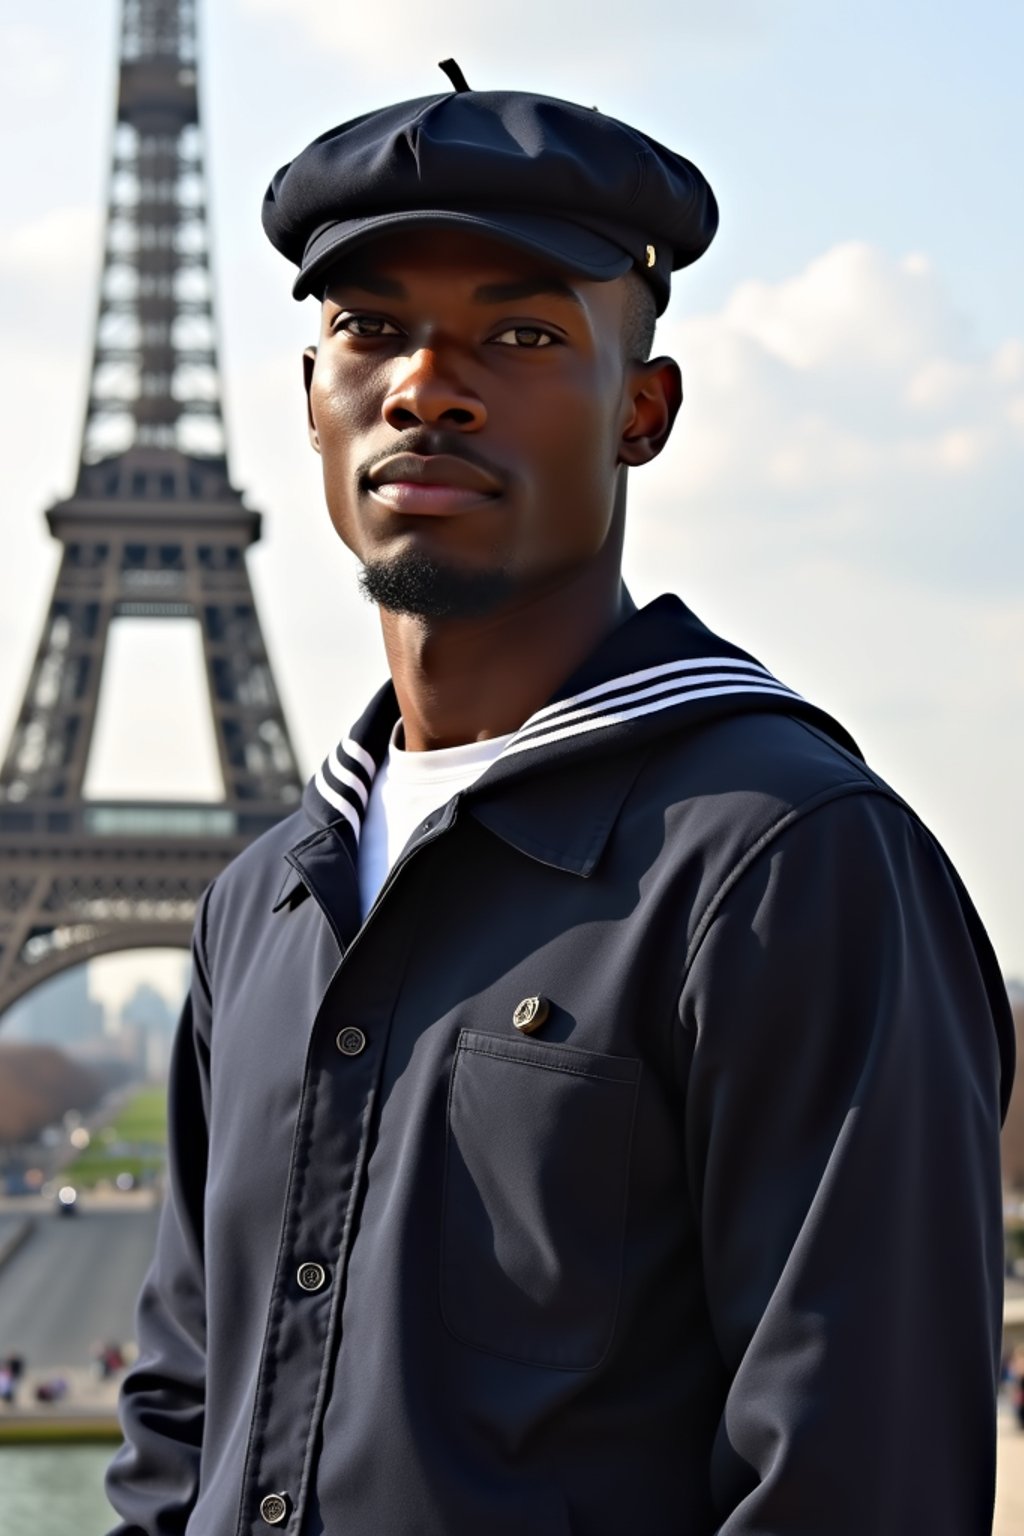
point(274, 1508)
point(351, 1041)
point(312, 1277)
point(530, 1014)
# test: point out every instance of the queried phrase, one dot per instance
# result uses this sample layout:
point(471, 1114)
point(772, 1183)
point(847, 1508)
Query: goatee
point(413, 583)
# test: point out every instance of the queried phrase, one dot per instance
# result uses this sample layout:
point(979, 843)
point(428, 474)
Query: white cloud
point(850, 308)
point(847, 408)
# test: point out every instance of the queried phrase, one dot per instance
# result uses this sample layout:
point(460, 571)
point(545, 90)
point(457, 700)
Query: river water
point(55, 1490)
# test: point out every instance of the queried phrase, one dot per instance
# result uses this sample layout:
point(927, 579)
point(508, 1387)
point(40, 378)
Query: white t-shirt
point(408, 786)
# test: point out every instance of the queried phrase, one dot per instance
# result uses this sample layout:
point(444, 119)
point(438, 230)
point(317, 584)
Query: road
point(9, 1223)
point(73, 1283)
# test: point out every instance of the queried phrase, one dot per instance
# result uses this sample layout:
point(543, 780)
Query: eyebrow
point(529, 288)
point(487, 293)
point(383, 287)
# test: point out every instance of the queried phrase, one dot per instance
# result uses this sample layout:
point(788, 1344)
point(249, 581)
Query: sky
point(843, 493)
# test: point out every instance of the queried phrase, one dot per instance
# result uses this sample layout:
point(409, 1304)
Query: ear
point(308, 364)
point(653, 395)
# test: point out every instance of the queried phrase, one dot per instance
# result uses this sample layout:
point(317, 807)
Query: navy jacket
point(716, 1248)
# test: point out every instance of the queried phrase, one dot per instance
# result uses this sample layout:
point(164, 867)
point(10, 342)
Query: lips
point(437, 485)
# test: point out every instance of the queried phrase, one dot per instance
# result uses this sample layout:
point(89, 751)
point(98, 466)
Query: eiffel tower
point(153, 529)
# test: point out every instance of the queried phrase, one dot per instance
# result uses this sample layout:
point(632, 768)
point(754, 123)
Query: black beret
point(560, 180)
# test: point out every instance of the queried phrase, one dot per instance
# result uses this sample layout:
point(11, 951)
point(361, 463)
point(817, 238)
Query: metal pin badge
point(530, 1014)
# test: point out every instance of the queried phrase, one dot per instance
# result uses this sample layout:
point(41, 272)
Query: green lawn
point(131, 1143)
point(143, 1118)
point(92, 1168)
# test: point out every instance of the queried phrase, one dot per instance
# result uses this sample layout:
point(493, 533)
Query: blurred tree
point(38, 1084)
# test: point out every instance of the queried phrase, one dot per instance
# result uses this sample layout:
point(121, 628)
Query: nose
point(425, 391)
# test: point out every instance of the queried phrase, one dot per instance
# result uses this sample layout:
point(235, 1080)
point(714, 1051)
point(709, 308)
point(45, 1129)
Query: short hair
point(639, 317)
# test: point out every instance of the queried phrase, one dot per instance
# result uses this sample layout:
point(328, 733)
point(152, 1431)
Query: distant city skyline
point(93, 999)
point(843, 496)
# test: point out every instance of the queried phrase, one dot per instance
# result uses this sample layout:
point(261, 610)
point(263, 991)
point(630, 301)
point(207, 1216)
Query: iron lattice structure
point(153, 529)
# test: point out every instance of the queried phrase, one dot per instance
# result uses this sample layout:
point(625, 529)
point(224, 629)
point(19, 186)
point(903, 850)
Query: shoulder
point(823, 880)
point(728, 792)
point(764, 765)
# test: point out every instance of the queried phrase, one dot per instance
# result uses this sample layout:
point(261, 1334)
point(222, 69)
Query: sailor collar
point(660, 671)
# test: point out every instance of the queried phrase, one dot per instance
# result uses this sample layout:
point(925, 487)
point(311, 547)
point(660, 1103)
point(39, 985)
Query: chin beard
point(412, 583)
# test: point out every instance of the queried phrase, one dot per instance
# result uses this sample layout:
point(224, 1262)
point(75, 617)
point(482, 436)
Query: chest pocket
point(536, 1177)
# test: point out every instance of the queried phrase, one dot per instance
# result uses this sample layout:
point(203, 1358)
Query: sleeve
point(154, 1478)
point(847, 1021)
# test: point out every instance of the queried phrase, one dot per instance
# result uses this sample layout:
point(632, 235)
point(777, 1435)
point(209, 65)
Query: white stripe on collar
point(347, 809)
point(345, 776)
point(646, 675)
point(560, 730)
point(344, 781)
point(695, 682)
point(360, 755)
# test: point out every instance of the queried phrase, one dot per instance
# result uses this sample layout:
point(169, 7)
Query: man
point(585, 1119)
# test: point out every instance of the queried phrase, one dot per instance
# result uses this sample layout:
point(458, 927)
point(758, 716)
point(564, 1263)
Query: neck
point(460, 680)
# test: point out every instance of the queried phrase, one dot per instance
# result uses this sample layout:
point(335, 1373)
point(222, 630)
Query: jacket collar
point(661, 670)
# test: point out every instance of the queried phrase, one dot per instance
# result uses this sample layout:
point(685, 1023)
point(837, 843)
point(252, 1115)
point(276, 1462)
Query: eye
point(366, 327)
point(525, 336)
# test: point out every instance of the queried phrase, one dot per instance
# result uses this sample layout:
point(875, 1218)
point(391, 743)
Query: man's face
point(469, 405)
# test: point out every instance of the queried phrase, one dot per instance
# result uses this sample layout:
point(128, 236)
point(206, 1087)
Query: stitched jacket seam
point(550, 1066)
point(862, 786)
